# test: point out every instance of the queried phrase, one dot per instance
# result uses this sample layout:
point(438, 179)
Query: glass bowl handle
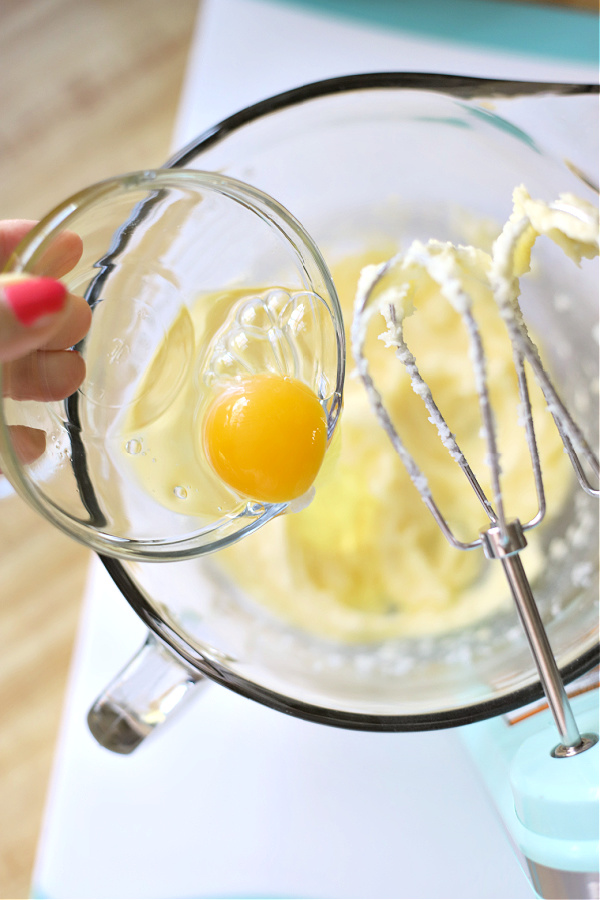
point(146, 691)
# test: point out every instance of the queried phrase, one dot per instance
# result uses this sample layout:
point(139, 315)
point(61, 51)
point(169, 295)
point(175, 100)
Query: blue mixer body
point(549, 806)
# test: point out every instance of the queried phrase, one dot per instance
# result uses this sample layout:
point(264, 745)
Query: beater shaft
point(506, 547)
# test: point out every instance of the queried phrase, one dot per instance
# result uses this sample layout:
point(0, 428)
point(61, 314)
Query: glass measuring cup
point(380, 155)
point(160, 248)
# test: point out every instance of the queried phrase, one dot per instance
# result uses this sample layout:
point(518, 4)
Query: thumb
point(30, 311)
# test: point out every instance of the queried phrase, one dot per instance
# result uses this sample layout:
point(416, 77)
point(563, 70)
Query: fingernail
point(33, 298)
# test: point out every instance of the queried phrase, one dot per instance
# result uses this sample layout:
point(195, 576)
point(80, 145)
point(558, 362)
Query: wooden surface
point(89, 89)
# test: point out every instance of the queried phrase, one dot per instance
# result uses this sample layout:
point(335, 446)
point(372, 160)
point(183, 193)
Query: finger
point(28, 443)
point(44, 375)
point(59, 258)
point(32, 310)
point(73, 327)
point(12, 232)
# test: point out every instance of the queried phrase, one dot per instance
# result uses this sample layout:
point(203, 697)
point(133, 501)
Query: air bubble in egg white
point(133, 446)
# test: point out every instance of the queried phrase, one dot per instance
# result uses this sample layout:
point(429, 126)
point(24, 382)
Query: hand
point(39, 321)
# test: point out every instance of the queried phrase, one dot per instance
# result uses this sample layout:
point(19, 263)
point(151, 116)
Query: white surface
point(233, 799)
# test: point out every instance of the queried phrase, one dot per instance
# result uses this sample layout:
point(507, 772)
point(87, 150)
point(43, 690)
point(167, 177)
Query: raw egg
point(265, 436)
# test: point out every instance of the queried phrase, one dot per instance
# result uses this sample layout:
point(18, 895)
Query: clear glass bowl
point(155, 245)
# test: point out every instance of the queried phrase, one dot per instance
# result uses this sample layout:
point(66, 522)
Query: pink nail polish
point(33, 298)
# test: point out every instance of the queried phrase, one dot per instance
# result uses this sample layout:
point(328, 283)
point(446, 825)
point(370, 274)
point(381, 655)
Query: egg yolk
point(265, 436)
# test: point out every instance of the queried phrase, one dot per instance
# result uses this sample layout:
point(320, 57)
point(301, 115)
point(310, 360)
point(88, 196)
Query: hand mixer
point(504, 539)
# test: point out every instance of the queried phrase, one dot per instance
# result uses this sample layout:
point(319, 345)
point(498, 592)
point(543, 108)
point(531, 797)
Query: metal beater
point(504, 539)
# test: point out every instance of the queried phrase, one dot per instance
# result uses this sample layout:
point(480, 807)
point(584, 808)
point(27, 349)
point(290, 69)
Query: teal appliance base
point(549, 805)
